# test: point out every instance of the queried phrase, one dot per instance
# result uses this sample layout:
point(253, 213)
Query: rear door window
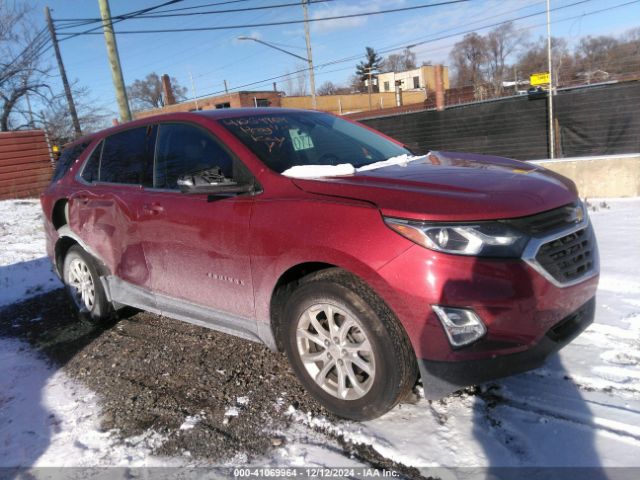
point(127, 157)
point(69, 155)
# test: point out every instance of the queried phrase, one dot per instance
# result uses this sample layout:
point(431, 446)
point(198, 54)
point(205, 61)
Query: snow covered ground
point(581, 409)
point(24, 269)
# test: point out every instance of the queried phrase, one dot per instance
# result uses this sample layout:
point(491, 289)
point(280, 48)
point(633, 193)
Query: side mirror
point(211, 182)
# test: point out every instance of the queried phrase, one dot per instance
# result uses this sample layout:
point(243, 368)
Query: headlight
point(485, 239)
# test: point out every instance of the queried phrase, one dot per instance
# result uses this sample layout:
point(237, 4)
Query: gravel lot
point(213, 397)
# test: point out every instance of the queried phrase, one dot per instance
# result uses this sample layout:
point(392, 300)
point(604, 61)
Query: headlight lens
point(486, 239)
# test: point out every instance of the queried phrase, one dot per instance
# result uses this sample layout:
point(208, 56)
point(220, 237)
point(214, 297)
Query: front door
point(197, 248)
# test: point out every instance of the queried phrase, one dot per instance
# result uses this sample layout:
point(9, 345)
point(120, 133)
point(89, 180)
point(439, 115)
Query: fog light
point(461, 325)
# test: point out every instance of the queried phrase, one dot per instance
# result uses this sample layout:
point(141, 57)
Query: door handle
point(152, 208)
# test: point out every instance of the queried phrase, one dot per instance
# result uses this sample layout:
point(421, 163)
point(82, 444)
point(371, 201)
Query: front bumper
point(442, 378)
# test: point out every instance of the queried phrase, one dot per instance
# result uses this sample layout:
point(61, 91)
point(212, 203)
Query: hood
point(452, 186)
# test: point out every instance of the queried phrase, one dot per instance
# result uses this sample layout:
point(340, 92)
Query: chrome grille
point(570, 257)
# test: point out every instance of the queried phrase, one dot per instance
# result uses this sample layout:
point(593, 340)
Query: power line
point(484, 27)
point(92, 31)
point(284, 22)
point(209, 12)
point(388, 50)
point(171, 39)
point(215, 4)
point(28, 53)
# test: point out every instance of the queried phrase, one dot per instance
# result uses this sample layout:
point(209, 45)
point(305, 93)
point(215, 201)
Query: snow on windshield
point(316, 171)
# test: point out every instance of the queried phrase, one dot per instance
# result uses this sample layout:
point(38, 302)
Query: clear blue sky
point(214, 56)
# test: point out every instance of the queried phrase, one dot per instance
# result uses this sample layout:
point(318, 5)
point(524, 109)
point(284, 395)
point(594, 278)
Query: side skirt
point(124, 293)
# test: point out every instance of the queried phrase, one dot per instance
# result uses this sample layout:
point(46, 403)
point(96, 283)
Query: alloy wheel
point(81, 285)
point(334, 349)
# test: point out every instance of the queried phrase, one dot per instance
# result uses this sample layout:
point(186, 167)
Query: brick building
point(263, 98)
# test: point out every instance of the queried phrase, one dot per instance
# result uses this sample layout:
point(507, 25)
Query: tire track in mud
point(493, 399)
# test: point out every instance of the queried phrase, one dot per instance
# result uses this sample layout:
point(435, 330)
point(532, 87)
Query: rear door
point(105, 212)
point(197, 247)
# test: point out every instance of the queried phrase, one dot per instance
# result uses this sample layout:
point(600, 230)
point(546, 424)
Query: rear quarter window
point(68, 156)
point(91, 170)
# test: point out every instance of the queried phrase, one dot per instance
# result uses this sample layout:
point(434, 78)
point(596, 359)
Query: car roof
point(216, 114)
point(238, 112)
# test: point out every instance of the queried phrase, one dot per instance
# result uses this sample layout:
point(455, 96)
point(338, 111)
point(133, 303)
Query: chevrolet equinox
point(367, 264)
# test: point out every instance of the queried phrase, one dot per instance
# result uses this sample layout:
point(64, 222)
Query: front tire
point(346, 346)
point(83, 285)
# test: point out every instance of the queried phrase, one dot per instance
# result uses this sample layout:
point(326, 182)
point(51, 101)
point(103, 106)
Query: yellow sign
point(542, 78)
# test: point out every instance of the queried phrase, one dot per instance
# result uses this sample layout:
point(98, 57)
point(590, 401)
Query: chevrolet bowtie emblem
point(576, 214)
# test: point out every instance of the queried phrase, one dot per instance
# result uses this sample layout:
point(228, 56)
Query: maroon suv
point(367, 264)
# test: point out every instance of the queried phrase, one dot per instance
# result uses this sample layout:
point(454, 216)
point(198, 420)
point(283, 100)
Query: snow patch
point(48, 419)
point(400, 160)
point(25, 270)
point(317, 171)
point(191, 421)
point(231, 412)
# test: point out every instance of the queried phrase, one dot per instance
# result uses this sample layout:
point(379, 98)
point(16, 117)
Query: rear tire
point(82, 282)
point(346, 347)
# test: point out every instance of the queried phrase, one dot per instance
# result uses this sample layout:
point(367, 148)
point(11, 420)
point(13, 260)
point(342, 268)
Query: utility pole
point(193, 88)
point(312, 77)
point(114, 61)
point(552, 130)
point(369, 86)
point(63, 73)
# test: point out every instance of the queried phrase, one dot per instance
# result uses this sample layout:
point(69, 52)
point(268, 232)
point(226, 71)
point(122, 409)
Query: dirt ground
point(151, 372)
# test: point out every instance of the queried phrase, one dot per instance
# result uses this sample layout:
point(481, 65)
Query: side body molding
point(121, 292)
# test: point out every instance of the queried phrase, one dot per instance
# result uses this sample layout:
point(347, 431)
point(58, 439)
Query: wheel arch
point(67, 239)
point(285, 284)
point(291, 277)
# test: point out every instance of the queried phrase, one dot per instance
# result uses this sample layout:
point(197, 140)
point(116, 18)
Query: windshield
point(286, 140)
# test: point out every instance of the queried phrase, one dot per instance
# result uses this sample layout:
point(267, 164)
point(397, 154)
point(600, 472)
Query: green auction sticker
point(301, 140)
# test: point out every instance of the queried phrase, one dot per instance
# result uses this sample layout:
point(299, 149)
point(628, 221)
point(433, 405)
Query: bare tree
point(21, 70)
point(356, 85)
point(296, 82)
point(330, 88)
point(56, 119)
point(534, 59)
point(327, 88)
point(469, 57)
point(148, 93)
point(501, 43)
point(301, 81)
point(596, 55)
point(399, 62)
